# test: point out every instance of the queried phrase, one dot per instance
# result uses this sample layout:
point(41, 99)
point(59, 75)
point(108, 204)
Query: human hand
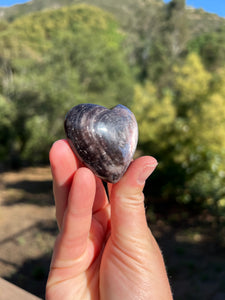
point(104, 250)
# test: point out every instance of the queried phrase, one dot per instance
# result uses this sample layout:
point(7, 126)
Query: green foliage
point(6, 131)
point(178, 30)
point(200, 107)
point(184, 129)
point(56, 60)
point(143, 25)
point(113, 6)
point(154, 116)
point(199, 129)
point(211, 48)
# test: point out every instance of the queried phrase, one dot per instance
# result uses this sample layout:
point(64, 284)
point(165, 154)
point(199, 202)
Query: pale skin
point(104, 250)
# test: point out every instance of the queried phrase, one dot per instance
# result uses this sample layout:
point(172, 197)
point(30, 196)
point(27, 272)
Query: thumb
point(128, 219)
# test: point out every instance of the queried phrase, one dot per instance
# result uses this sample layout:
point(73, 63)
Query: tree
point(211, 47)
point(200, 119)
point(177, 27)
point(154, 116)
point(57, 60)
point(157, 37)
point(7, 132)
point(184, 129)
point(144, 26)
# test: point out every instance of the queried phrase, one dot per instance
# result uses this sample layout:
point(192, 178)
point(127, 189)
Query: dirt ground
point(195, 262)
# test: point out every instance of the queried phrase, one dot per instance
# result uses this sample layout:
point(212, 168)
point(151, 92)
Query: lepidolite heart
point(103, 139)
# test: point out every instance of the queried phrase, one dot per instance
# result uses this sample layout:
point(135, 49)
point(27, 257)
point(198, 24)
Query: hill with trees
point(165, 62)
point(199, 19)
point(51, 61)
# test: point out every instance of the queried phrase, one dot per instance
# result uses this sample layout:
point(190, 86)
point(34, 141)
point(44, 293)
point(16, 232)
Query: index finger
point(64, 164)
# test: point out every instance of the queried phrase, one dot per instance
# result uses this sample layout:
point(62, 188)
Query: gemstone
point(104, 140)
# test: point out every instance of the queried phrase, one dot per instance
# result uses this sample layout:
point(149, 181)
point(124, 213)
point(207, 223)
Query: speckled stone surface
point(103, 139)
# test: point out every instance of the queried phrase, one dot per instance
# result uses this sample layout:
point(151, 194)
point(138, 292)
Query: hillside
point(114, 7)
point(199, 20)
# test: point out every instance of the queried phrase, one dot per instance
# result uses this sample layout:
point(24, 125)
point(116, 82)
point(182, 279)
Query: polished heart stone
point(103, 139)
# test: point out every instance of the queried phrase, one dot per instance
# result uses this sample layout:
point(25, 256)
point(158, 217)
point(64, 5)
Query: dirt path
point(28, 230)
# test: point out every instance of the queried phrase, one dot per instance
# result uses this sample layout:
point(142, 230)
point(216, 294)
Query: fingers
point(127, 200)
point(63, 165)
point(78, 215)
point(101, 199)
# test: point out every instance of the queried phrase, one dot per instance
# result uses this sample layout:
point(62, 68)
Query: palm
point(123, 270)
point(79, 278)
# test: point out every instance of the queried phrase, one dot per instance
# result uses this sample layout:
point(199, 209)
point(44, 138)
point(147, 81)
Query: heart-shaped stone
point(103, 139)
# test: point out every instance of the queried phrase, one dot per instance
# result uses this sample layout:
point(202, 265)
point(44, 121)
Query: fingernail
point(145, 173)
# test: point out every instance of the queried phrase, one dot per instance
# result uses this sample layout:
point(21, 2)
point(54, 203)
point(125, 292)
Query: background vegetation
point(166, 62)
point(154, 58)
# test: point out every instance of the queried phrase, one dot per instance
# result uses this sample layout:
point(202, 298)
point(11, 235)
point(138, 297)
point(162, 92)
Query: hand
point(104, 250)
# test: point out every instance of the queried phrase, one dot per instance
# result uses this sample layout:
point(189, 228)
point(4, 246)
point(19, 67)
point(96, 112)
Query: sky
point(11, 2)
point(213, 6)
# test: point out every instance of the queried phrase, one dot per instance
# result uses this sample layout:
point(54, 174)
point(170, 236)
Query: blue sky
point(213, 6)
point(11, 2)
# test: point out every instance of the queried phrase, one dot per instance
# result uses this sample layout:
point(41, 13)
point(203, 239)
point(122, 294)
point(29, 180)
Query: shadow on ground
point(32, 186)
point(48, 228)
point(30, 192)
point(32, 274)
point(196, 269)
point(195, 265)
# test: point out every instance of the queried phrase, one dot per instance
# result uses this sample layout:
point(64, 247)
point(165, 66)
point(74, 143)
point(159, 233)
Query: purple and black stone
point(103, 139)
